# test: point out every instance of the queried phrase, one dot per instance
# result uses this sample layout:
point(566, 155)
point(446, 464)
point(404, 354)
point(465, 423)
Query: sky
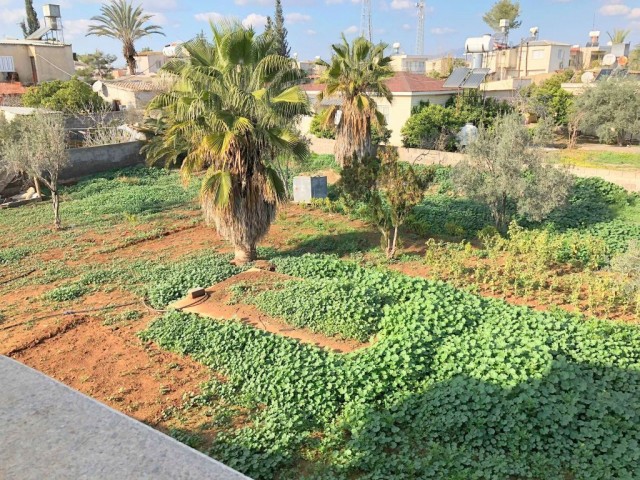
point(314, 24)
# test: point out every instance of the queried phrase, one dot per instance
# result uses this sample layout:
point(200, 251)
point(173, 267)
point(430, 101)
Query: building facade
point(34, 61)
point(408, 89)
point(528, 59)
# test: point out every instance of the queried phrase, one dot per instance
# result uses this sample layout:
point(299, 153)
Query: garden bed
point(227, 300)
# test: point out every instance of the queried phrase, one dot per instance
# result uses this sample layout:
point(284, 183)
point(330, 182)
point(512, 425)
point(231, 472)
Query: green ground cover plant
point(173, 280)
point(455, 386)
point(331, 306)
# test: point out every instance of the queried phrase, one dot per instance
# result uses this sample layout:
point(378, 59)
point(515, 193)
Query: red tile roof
point(400, 83)
point(415, 82)
point(11, 88)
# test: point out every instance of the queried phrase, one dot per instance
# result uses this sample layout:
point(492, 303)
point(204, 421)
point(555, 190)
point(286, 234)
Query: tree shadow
point(341, 244)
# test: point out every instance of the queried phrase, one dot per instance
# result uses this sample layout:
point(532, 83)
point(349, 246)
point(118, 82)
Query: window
point(384, 110)
point(538, 54)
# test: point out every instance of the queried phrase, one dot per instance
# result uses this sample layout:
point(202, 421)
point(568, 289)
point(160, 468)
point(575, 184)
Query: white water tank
point(467, 135)
point(173, 50)
point(479, 44)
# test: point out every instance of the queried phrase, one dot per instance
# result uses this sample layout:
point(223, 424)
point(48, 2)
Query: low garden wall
point(324, 146)
point(89, 160)
point(627, 178)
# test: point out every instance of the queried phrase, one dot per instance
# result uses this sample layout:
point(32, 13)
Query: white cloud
point(402, 4)
point(351, 30)
point(11, 16)
point(311, 32)
point(209, 17)
point(253, 2)
point(614, 9)
point(159, 18)
point(295, 17)
point(76, 28)
point(442, 30)
point(254, 20)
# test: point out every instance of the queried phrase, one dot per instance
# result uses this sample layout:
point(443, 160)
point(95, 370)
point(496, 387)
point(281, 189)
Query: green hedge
point(457, 386)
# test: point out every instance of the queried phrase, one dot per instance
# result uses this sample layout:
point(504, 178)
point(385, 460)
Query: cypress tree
point(31, 24)
point(280, 32)
point(268, 28)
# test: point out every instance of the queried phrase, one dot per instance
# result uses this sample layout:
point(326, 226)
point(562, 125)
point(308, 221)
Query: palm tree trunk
point(352, 141)
point(244, 254)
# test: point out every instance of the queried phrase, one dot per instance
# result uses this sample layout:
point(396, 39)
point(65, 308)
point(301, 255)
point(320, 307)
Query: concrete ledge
point(48, 430)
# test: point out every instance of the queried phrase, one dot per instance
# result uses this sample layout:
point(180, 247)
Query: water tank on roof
point(173, 50)
point(479, 44)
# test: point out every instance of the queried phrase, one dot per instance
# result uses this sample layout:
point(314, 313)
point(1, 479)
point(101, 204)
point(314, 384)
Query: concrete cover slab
point(48, 430)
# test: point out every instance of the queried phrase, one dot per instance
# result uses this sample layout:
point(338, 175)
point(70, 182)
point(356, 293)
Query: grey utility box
point(307, 188)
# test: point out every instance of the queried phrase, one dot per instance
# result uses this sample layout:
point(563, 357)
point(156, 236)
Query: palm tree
point(125, 22)
point(619, 36)
point(231, 109)
point(356, 74)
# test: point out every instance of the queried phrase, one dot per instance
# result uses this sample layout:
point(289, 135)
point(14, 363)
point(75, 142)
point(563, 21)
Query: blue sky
point(314, 24)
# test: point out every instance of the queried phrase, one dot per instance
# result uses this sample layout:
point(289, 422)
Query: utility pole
point(420, 33)
point(365, 23)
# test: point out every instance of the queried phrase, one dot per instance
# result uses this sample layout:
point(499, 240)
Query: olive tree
point(37, 146)
point(505, 170)
point(387, 190)
point(611, 109)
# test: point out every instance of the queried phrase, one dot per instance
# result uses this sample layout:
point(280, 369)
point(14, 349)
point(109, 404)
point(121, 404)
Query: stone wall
point(90, 160)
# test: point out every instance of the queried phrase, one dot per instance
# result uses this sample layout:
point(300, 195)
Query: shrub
point(72, 96)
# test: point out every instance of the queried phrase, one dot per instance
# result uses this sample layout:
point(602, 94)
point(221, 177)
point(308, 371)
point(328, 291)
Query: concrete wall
point(628, 179)
point(90, 160)
point(323, 146)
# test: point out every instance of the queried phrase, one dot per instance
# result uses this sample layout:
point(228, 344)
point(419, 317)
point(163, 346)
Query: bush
point(436, 127)
point(432, 127)
point(72, 96)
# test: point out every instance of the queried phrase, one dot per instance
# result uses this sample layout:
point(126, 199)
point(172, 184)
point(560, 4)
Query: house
point(34, 61)
point(409, 89)
point(129, 93)
point(443, 66)
point(409, 63)
point(10, 92)
point(148, 63)
point(528, 59)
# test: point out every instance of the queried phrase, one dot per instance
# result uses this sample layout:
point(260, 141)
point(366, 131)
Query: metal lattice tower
point(365, 23)
point(420, 31)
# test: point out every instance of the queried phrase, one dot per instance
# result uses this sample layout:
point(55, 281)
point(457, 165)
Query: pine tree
point(31, 24)
point(280, 32)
